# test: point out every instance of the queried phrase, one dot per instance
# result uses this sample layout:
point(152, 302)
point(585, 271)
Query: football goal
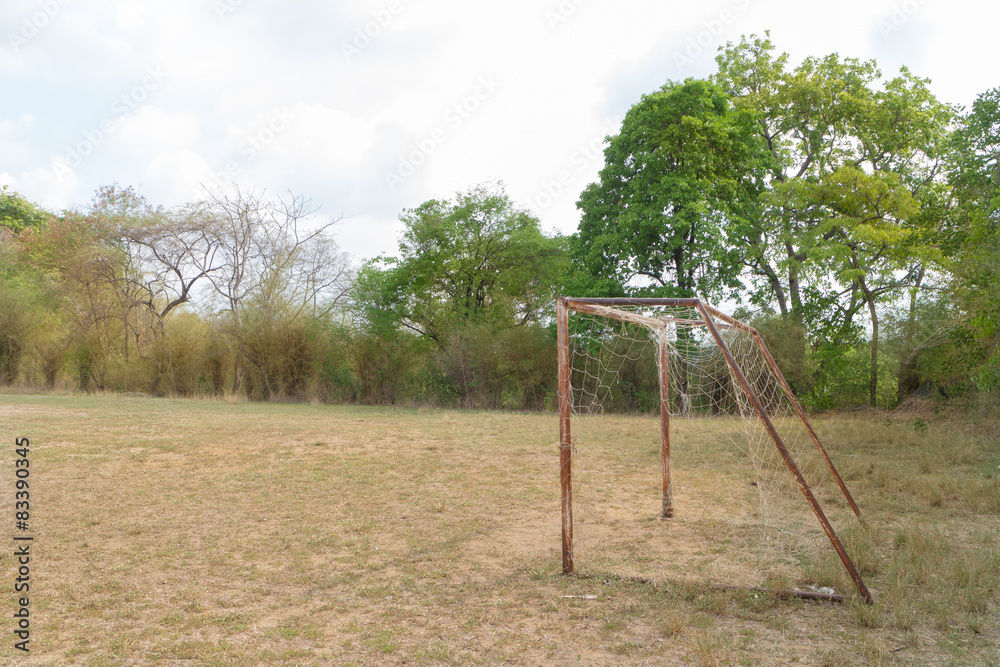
point(672, 400)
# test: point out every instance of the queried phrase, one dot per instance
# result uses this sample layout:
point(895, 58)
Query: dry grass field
point(181, 532)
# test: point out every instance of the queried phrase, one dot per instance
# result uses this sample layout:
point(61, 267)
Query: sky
point(371, 108)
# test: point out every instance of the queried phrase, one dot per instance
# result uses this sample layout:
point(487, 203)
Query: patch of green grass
point(708, 649)
point(382, 641)
point(233, 623)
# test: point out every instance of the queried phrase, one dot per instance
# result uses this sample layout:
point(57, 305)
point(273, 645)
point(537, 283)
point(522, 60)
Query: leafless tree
point(121, 268)
point(170, 254)
point(265, 247)
point(270, 256)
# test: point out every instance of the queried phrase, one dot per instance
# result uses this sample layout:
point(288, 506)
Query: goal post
point(689, 341)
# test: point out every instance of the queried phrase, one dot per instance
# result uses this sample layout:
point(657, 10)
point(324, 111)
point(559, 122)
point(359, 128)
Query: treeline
point(853, 219)
point(246, 296)
point(101, 299)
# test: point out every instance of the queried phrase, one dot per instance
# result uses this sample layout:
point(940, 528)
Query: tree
point(975, 176)
point(975, 159)
point(164, 255)
point(271, 268)
point(82, 273)
point(16, 317)
point(680, 182)
point(172, 252)
point(475, 259)
point(679, 185)
point(257, 255)
point(844, 145)
point(801, 120)
point(270, 247)
point(472, 290)
point(17, 213)
point(871, 243)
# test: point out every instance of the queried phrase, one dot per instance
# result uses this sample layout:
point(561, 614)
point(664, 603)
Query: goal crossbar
point(636, 318)
point(606, 307)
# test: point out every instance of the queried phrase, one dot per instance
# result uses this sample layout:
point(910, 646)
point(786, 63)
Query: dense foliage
point(853, 219)
point(679, 184)
point(467, 304)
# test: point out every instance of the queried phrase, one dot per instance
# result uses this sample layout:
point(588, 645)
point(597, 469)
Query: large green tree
point(471, 293)
point(975, 177)
point(854, 191)
point(680, 181)
point(477, 258)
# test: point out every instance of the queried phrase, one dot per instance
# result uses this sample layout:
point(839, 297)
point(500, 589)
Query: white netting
point(740, 515)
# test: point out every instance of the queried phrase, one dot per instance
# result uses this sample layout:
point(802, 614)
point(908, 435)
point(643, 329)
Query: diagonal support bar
point(787, 457)
point(805, 421)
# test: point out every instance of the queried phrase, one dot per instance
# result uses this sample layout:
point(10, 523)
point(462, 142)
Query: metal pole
point(668, 498)
point(565, 439)
point(824, 522)
point(627, 301)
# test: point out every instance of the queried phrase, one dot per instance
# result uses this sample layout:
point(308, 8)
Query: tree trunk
point(873, 383)
point(158, 361)
point(908, 379)
point(797, 348)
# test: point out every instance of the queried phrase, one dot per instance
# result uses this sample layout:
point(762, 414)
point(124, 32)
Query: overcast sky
point(368, 108)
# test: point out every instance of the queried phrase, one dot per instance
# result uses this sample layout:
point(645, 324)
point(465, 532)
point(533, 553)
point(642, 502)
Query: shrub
point(15, 326)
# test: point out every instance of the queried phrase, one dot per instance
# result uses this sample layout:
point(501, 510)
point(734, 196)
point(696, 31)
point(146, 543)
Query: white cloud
point(129, 15)
point(561, 83)
point(13, 147)
point(175, 178)
point(56, 185)
point(153, 131)
point(328, 138)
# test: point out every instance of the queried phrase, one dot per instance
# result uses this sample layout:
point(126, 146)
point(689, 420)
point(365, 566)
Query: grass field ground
point(182, 532)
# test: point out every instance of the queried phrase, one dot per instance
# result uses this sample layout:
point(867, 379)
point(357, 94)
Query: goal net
point(686, 456)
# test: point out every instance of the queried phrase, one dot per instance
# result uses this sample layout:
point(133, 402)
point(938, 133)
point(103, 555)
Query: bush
point(382, 363)
point(15, 326)
point(512, 368)
point(182, 354)
point(332, 380)
point(49, 346)
point(280, 356)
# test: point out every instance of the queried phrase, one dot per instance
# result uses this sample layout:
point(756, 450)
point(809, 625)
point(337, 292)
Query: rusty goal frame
point(606, 307)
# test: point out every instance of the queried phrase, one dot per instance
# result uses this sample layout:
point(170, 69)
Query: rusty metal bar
point(824, 522)
point(731, 321)
point(805, 421)
point(668, 498)
point(625, 301)
point(781, 593)
point(611, 313)
point(643, 320)
point(565, 438)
